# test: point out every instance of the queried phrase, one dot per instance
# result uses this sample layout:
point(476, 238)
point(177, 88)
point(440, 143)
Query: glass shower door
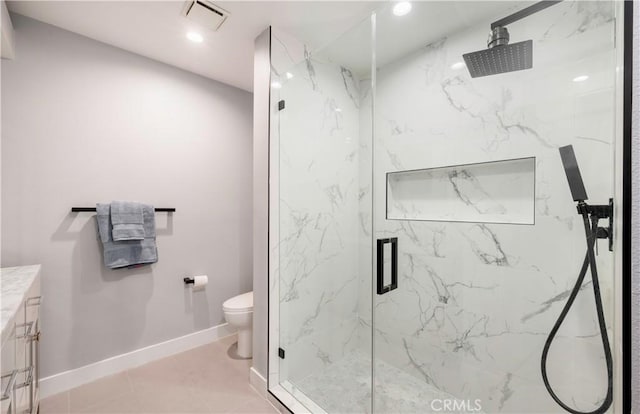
point(321, 117)
point(477, 240)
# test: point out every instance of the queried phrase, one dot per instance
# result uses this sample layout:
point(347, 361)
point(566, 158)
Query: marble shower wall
point(316, 256)
point(476, 301)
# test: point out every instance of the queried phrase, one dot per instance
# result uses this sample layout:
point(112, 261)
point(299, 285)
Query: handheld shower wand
point(591, 214)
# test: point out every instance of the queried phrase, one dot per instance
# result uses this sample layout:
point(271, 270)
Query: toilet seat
point(239, 304)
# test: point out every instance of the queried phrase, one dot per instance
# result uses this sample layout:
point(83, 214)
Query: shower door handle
point(381, 287)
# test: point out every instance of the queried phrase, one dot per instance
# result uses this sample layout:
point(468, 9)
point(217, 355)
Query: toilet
point(238, 312)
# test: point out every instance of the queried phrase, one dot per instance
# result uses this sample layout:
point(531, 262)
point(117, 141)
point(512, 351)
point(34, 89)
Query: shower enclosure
point(423, 236)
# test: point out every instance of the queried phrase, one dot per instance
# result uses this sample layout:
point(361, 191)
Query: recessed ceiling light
point(458, 65)
point(276, 85)
point(402, 8)
point(338, 109)
point(195, 37)
point(580, 78)
point(289, 75)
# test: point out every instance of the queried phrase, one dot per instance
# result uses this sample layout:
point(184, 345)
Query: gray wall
point(635, 285)
point(84, 122)
point(261, 82)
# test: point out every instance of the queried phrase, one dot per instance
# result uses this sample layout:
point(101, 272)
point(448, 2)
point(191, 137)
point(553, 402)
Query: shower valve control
point(600, 211)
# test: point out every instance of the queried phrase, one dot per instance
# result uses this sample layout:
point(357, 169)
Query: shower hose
point(591, 230)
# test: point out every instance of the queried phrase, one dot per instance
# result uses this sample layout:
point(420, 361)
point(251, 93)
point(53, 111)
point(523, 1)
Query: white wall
point(83, 122)
point(6, 32)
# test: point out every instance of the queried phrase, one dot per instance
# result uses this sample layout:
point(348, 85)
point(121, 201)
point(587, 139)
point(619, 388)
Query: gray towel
point(127, 221)
point(127, 253)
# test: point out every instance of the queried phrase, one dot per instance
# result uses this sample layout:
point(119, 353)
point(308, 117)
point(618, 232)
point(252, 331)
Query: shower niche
point(488, 192)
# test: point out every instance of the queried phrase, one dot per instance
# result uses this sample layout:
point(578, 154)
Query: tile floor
point(345, 387)
point(208, 379)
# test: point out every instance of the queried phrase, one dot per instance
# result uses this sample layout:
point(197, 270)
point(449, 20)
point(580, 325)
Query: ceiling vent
point(206, 14)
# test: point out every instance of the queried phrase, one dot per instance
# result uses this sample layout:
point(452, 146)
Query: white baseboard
point(73, 378)
point(258, 382)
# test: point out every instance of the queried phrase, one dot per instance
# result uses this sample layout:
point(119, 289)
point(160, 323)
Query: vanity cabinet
point(21, 299)
point(8, 356)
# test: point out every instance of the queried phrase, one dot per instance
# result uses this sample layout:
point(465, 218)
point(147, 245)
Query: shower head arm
point(526, 12)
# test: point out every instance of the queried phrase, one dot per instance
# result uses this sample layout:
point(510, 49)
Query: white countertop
point(14, 284)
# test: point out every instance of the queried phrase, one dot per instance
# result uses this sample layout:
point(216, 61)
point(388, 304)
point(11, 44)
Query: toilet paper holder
point(197, 282)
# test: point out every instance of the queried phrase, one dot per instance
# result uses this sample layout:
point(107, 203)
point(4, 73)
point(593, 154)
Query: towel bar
point(81, 209)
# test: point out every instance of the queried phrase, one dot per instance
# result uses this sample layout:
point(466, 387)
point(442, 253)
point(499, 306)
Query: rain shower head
point(571, 169)
point(500, 59)
point(500, 56)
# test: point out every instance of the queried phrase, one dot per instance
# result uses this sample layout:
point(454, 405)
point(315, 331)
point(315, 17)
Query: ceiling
point(428, 22)
point(157, 29)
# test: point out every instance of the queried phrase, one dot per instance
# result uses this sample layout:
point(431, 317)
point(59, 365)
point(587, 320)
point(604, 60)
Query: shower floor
point(345, 387)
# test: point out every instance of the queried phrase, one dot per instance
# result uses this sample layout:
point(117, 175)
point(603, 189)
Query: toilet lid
point(239, 303)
